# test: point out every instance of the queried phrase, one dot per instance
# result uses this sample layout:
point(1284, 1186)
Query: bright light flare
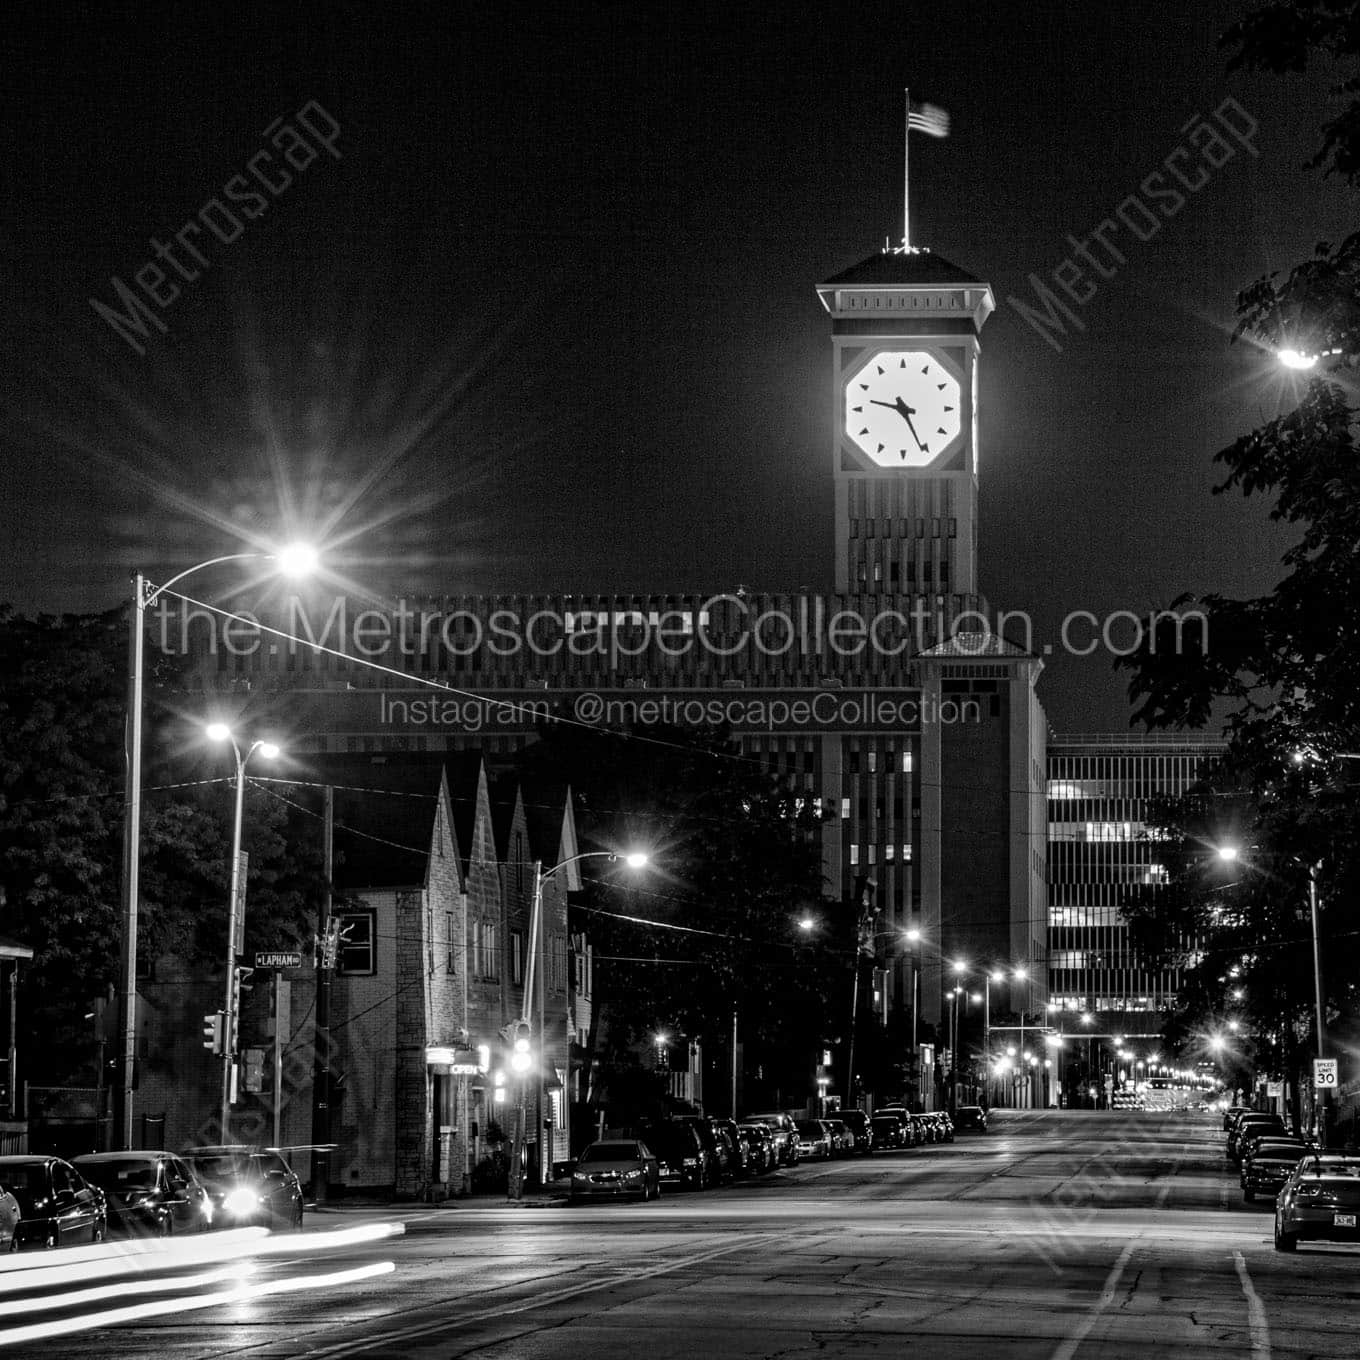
point(1292, 358)
point(807, 924)
point(269, 750)
point(217, 731)
point(297, 560)
point(637, 860)
point(1228, 853)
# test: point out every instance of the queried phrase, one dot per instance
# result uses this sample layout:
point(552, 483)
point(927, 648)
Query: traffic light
point(521, 1055)
point(213, 1026)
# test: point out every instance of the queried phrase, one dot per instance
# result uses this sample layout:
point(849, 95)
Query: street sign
point(278, 959)
point(1324, 1074)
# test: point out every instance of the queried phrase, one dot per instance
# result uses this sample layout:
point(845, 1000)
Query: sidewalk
point(550, 1195)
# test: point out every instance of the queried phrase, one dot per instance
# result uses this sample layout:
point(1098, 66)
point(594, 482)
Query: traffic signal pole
point(321, 1054)
point(523, 1062)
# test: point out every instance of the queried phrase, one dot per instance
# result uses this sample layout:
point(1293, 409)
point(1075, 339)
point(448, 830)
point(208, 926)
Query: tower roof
point(888, 268)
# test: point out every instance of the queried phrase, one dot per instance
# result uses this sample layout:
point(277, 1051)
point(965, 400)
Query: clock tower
point(904, 327)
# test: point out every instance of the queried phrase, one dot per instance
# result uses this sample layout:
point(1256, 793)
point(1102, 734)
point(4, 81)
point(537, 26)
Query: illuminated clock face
point(903, 409)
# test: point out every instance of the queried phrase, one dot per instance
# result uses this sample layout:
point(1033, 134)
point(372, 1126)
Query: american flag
point(927, 118)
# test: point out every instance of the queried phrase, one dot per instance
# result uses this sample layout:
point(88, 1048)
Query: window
point(484, 950)
point(873, 849)
point(873, 762)
point(906, 853)
point(517, 957)
point(854, 854)
point(357, 956)
point(845, 809)
point(450, 943)
point(889, 853)
point(519, 861)
point(906, 762)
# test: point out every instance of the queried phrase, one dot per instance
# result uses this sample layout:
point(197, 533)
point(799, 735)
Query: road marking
point(1069, 1347)
point(540, 1301)
point(1256, 1311)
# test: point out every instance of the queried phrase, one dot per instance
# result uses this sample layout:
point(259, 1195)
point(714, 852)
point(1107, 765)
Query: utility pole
point(126, 1067)
point(321, 1047)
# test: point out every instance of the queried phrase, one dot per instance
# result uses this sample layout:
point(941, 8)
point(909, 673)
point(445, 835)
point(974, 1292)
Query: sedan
point(814, 1140)
point(9, 1221)
point(148, 1192)
point(56, 1204)
point(887, 1131)
point(1269, 1165)
point(616, 1169)
point(248, 1185)
point(971, 1117)
point(858, 1124)
point(762, 1154)
point(1249, 1126)
point(1321, 1199)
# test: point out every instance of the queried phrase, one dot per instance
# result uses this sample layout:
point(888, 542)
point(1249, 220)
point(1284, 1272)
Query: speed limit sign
point(1324, 1074)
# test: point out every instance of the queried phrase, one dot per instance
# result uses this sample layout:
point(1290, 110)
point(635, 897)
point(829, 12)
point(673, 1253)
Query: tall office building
point(1099, 852)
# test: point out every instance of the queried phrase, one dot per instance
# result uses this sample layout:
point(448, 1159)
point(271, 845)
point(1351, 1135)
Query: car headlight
point(241, 1202)
point(580, 1176)
point(691, 1161)
point(632, 1175)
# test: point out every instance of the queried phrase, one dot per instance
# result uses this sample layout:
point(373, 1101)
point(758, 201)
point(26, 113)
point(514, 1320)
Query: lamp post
point(1230, 854)
point(294, 561)
point(236, 911)
point(522, 1058)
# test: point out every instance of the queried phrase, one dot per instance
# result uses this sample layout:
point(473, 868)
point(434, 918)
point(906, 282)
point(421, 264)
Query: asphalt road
point(1057, 1235)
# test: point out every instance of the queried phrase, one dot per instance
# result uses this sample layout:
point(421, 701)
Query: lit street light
point(523, 1028)
point(296, 560)
point(236, 911)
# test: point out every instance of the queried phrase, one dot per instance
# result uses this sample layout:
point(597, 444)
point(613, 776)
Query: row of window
point(890, 854)
point(870, 528)
point(895, 576)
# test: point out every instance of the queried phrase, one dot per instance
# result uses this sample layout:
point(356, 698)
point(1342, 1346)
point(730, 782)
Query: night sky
point(549, 321)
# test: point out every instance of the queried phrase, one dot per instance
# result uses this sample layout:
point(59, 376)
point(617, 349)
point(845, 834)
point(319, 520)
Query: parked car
point(814, 1139)
point(785, 1134)
point(904, 1119)
point(930, 1129)
point(1269, 1165)
point(946, 1123)
point(842, 1140)
point(9, 1221)
point(1231, 1113)
point(1251, 1122)
point(57, 1205)
point(1321, 1199)
point(887, 1131)
point(679, 1153)
point(248, 1185)
point(971, 1117)
point(148, 1192)
point(738, 1149)
point(860, 1129)
point(616, 1169)
point(716, 1163)
point(762, 1154)
point(1253, 1138)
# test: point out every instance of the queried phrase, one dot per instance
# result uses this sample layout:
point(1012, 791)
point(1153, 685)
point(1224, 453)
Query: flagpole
point(906, 176)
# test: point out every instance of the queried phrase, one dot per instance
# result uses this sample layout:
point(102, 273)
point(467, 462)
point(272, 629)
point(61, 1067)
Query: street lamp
point(522, 1028)
point(296, 560)
point(236, 909)
point(1231, 853)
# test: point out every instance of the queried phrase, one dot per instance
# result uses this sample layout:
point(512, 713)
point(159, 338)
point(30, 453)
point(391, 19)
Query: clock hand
point(891, 405)
point(914, 435)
